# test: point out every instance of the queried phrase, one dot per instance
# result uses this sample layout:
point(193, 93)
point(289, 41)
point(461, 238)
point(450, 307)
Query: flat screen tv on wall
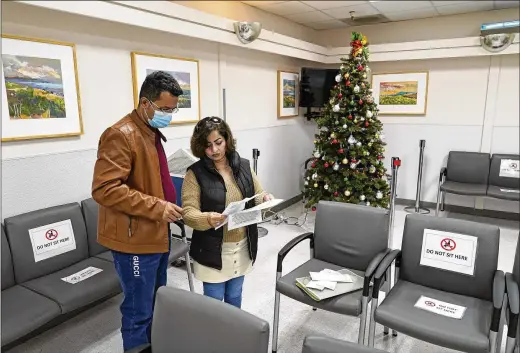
point(315, 86)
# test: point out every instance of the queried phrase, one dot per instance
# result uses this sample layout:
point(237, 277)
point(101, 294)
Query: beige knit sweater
point(198, 220)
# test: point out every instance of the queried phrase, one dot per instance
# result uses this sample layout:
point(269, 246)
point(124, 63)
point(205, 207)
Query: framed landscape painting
point(404, 93)
point(185, 71)
point(40, 90)
point(288, 94)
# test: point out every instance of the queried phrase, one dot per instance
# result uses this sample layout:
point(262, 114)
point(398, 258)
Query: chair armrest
point(139, 349)
point(181, 226)
point(371, 269)
point(513, 305)
point(291, 244)
point(381, 270)
point(499, 291)
point(443, 173)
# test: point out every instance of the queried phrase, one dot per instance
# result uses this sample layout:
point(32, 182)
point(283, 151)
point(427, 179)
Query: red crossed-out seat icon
point(51, 234)
point(448, 244)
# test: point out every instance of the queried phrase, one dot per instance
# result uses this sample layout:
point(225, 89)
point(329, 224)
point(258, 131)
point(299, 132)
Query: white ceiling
point(328, 14)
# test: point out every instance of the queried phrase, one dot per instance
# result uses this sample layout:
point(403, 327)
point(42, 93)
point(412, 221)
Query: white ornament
point(331, 101)
point(372, 169)
point(347, 193)
point(362, 197)
point(317, 154)
point(358, 144)
point(345, 126)
point(342, 67)
point(326, 187)
point(382, 136)
point(356, 89)
point(306, 182)
point(362, 119)
point(314, 176)
point(369, 114)
point(379, 195)
point(368, 203)
point(367, 153)
point(351, 140)
point(368, 69)
point(353, 165)
point(370, 144)
point(336, 108)
point(364, 75)
point(336, 167)
point(333, 136)
point(338, 78)
point(308, 178)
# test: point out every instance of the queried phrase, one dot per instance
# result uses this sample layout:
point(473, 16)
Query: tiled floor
point(97, 331)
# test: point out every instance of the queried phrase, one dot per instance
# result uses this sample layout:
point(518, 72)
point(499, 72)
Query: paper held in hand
point(238, 216)
point(441, 308)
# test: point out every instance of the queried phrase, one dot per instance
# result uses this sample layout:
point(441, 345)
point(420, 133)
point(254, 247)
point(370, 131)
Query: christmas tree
point(348, 150)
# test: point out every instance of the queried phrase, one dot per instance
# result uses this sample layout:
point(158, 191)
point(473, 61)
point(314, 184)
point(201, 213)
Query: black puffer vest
point(206, 246)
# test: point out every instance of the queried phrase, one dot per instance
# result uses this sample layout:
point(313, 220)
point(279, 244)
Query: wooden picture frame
point(186, 71)
point(40, 89)
point(401, 93)
point(288, 94)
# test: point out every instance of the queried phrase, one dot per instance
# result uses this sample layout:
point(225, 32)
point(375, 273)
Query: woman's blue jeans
point(229, 291)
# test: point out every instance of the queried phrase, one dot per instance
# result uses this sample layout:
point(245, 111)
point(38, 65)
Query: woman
point(221, 257)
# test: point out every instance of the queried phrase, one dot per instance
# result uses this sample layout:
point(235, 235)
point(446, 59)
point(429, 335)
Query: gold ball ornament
point(347, 75)
point(344, 161)
point(316, 185)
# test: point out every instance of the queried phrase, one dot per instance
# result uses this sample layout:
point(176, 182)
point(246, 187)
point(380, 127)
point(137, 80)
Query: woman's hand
point(268, 197)
point(215, 219)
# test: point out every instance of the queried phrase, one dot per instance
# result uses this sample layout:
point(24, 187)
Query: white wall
point(44, 173)
point(458, 95)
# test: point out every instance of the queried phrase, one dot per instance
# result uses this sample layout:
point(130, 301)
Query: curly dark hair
point(158, 82)
point(199, 139)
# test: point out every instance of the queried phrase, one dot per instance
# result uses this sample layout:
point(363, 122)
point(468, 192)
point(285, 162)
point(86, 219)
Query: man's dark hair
point(156, 83)
point(199, 139)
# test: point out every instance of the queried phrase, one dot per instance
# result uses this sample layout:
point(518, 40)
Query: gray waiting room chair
point(179, 248)
point(513, 304)
point(466, 173)
point(482, 294)
point(346, 236)
point(502, 187)
point(186, 322)
point(316, 344)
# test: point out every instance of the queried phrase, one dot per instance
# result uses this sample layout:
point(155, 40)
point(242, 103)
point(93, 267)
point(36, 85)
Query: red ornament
point(336, 194)
point(347, 83)
point(360, 67)
point(360, 101)
point(334, 141)
point(314, 208)
point(340, 151)
point(379, 157)
point(366, 123)
point(353, 161)
point(340, 95)
point(350, 116)
point(314, 165)
point(326, 165)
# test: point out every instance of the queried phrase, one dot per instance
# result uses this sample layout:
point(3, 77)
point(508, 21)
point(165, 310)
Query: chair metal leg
point(372, 326)
point(438, 200)
point(276, 315)
point(363, 321)
point(442, 200)
point(188, 270)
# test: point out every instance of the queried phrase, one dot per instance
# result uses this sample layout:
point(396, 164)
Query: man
point(136, 195)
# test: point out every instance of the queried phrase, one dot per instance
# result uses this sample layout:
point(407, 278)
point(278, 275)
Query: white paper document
point(238, 216)
point(449, 251)
point(509, 168)
point(441, 308)
point(330, 276)
point(52, 240)
point(82, 275)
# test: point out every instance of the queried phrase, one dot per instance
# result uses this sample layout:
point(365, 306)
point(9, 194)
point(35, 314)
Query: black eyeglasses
point(208, 121)
point(166, 110)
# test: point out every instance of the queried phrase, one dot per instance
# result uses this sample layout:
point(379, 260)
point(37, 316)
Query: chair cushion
point(468, 167)
point(494, 191)
point(72, 296)
point(178, 250)
point(454, 187)
point(17, 228)
point(347, 304)
point(23, 311)
point(107, 255)
point(495, 179)
point(469, 334)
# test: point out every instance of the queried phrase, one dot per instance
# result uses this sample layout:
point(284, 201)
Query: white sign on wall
point(449, 251)
point(509, 168)
point(82, 275)
point(441, 308)
point(52, 240)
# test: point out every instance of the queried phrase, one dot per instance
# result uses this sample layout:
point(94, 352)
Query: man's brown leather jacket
point(127, 186)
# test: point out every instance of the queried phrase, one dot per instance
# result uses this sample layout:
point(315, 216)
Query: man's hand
point(172, 212)
point(215, 219)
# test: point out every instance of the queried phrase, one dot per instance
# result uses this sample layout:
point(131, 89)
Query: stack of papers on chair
point(329, 283)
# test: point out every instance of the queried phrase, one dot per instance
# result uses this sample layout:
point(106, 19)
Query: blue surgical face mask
point(160, 119)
